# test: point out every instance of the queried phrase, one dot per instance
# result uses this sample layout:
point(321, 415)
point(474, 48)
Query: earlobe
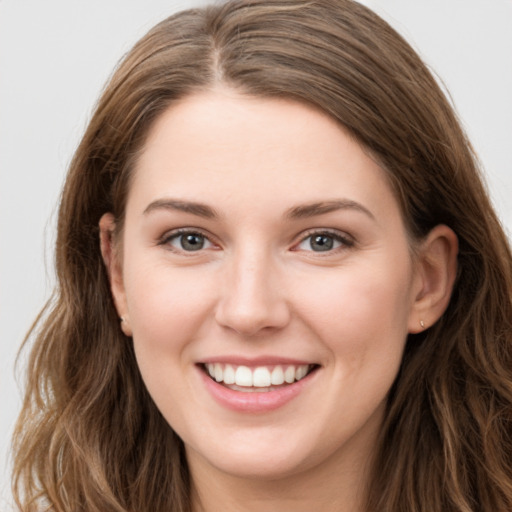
point(436, 269)
point(113, 266)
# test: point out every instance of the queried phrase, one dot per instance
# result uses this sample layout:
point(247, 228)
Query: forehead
point(221, 145)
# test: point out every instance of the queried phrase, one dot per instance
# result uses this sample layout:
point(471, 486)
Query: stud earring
point(422, 324)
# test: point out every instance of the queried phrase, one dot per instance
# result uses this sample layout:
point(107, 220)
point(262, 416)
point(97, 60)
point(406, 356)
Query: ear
point(436, 269)
point(111, 259)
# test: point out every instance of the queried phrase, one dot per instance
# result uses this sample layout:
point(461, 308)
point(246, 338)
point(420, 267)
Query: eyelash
point(176, 234)
point(344, 241)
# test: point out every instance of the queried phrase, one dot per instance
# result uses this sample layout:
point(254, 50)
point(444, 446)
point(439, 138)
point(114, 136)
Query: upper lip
point(255, 361)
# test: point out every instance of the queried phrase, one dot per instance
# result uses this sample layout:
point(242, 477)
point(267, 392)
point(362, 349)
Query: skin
point(259, 288)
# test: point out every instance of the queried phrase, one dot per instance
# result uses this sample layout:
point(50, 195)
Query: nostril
point(252, 319)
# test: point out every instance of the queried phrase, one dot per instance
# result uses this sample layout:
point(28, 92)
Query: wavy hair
point(90, 439)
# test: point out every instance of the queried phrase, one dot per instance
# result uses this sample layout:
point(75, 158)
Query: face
point(268, 283)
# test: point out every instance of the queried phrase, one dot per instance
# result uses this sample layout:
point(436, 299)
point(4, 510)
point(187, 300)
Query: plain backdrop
point(55, 56)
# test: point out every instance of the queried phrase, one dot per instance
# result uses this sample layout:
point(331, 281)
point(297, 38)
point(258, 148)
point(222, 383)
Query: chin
point(260, 455)
point(258, 466)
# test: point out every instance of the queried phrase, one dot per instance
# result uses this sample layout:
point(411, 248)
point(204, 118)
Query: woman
point(281, 283)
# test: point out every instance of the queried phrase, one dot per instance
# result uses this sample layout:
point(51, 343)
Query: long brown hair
point(89, 437)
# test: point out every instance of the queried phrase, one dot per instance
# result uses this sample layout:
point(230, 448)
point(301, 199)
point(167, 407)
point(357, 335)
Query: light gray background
point(55, 56)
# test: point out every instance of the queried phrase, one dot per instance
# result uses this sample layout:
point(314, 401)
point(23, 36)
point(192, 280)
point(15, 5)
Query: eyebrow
point(199, 209)
point(323, 207)
point(297, 212)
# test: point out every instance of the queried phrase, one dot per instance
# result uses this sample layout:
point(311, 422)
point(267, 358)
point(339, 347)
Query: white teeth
point(243, 376)
point(229, 374)
point(259, 377)
point(301, 372)
point(277, 377)
point(218, 372)
point(289, 374)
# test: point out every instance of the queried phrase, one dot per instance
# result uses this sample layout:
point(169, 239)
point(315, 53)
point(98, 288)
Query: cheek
point(360, 313)
point(165, 310)
point(166, 307)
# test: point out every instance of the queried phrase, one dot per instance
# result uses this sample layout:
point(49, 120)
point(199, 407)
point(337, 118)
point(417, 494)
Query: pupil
point(192, 242)
point(321, 243)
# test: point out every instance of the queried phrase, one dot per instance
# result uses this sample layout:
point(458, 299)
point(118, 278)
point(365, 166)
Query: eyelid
point(346, 240)
point(174, 233)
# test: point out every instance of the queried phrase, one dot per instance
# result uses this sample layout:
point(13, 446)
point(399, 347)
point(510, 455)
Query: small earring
point(422, 323)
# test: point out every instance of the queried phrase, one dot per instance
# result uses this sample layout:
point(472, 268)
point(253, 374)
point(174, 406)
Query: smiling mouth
point(258, 379)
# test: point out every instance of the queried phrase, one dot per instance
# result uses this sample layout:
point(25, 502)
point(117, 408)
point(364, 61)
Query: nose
point(252, 299)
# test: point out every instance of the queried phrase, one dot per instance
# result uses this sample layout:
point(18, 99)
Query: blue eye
point(189, 241)
point(323, 242)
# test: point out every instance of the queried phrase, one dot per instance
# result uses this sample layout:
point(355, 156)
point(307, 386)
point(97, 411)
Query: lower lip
point(254, 401)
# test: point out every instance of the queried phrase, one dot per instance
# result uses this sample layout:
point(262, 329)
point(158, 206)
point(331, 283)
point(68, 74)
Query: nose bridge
point(252, 297)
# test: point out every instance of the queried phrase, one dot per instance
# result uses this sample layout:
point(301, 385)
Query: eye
point(323, 242)
point(188, 241)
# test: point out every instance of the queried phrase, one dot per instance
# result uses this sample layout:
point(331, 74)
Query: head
point(335, 58)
